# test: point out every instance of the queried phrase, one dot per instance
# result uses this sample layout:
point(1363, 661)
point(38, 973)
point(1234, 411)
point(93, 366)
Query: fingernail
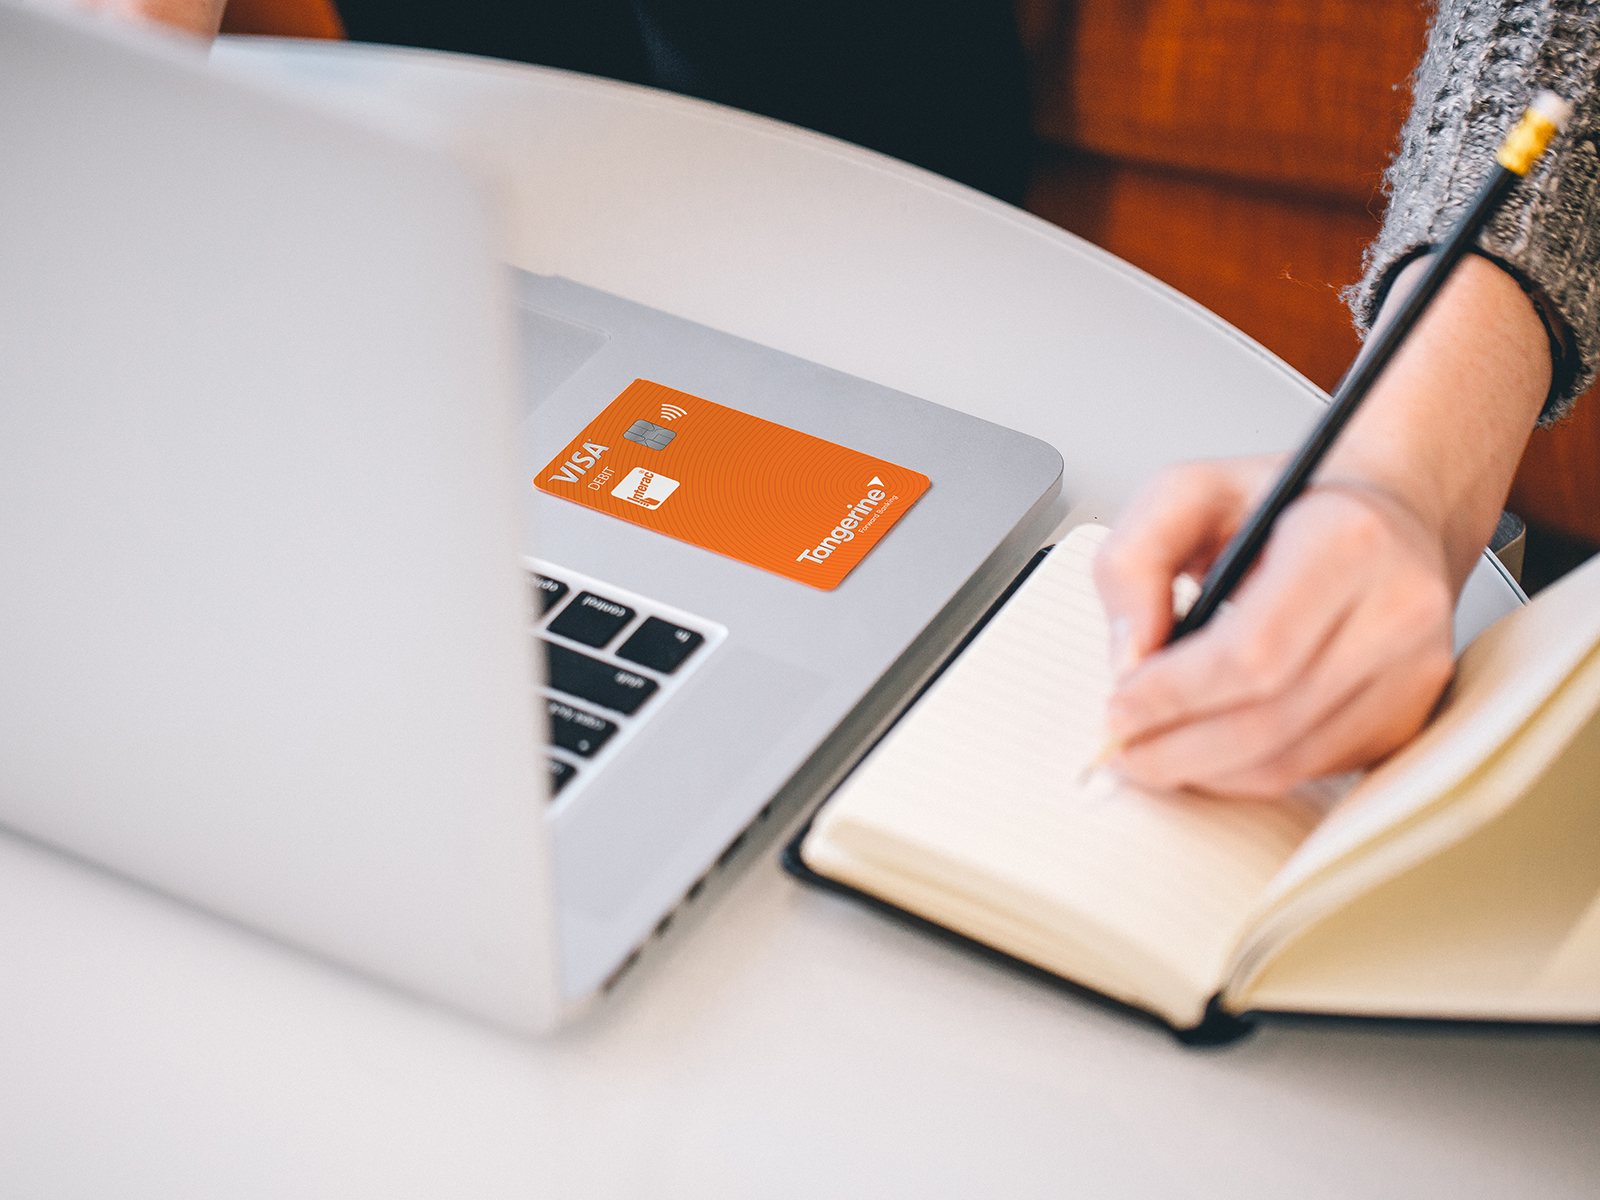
point(1123, 658)
point(1185, 591)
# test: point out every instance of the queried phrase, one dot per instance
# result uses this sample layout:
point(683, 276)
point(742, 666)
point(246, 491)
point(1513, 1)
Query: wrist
point(1443, 430)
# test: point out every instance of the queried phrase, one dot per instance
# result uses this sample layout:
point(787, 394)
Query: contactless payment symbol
point(647, 489)
point(788, 502)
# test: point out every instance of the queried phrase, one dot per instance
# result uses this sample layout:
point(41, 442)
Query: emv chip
point(646, 434)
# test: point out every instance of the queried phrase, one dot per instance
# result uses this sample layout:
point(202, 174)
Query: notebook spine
point(1217, 1027)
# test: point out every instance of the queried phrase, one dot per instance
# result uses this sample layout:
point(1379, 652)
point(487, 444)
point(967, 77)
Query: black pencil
point(1543, 119)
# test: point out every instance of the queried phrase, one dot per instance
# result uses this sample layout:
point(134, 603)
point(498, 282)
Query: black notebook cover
point(1217, 1027)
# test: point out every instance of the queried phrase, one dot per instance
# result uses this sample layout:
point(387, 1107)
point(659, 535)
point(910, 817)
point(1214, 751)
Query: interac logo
point(647, 489)
point(859, 516)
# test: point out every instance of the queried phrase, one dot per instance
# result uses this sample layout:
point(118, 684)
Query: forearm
point(1485, 60)
point(1444, 429)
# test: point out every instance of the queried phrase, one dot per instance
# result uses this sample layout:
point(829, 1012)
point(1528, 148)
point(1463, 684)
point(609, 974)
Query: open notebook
point(1460, 879)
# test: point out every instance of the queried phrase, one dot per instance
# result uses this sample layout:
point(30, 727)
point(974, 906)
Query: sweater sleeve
point(1484, 61)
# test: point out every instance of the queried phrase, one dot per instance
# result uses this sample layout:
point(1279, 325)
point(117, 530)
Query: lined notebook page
point(973, 806)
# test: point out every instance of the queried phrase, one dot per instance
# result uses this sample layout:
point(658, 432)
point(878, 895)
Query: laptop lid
point(262, 613)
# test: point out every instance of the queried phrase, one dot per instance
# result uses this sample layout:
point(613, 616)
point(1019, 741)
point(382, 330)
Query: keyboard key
point(592, 620)
point(560, 775)
point(549, 592)
point(598, 682)
point(660, 646)
point(573, 729)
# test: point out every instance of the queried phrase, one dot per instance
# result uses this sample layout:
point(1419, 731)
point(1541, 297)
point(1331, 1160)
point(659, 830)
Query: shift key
point(598, 682)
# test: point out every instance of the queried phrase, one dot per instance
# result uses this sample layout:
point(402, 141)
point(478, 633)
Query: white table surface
point(777, 1041)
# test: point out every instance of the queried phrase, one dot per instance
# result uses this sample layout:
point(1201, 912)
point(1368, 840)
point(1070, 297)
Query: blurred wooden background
point(283, 18)
point(1234, 149)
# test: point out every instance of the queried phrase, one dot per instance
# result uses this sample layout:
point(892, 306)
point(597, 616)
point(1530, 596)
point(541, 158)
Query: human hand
point(1336, 646)
point(1331, 654)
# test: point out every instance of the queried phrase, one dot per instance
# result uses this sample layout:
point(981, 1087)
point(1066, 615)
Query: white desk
point(777, 1042)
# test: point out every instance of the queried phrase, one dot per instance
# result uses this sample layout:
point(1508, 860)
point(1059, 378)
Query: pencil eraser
point(1550, 105)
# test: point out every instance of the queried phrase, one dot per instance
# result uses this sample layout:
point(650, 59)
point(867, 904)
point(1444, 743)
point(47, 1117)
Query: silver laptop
point(288, 629)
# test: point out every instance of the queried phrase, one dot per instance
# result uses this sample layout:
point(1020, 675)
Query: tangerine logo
point(647, 489)
point(859, 516)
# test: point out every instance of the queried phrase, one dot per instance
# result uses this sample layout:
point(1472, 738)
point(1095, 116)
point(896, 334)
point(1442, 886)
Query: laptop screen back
point(262, 610)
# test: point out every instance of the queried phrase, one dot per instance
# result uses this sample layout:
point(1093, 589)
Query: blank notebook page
point(978, 792)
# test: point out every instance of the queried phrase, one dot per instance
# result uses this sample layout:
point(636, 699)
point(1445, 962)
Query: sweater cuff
point(1366, 300)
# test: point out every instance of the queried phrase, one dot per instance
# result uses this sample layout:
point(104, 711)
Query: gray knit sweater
point(1485, 59)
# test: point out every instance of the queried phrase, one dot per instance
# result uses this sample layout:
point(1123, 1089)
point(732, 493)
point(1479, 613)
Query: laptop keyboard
point(612, 660)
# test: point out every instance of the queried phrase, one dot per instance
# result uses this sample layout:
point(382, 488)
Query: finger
point(1370, 725)
point(1230, 741)
point(1407, 639)
point(1282, 617)
point(1399, 639)
point(1179, 522)
point(1336, 719)
point(1333, 553)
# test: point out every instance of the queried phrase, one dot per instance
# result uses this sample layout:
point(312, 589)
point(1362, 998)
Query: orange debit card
point(754, 490)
